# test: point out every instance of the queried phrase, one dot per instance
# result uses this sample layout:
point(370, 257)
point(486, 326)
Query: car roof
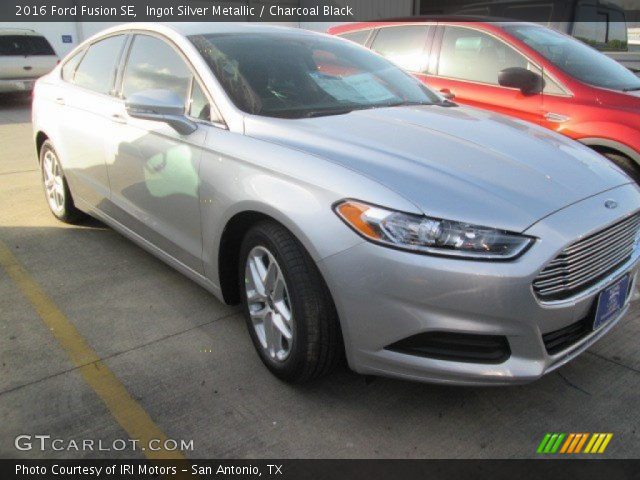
point(478, 20)
point(450, 18)
point(202, 28)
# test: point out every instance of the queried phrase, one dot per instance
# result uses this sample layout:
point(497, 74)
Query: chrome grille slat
point(564, 259)
point(583, 244)
point(588, 260)
point(576, 281)
point(603, 252)
point(612, 258)
point(575, 285)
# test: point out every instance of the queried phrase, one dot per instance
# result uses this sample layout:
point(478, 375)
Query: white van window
point(25, 45)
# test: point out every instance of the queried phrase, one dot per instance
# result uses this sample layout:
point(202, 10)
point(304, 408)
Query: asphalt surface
point(187, 360)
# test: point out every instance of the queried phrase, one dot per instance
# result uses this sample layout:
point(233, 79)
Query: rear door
point(85, 106)
point(467, 65)
point(25, 56)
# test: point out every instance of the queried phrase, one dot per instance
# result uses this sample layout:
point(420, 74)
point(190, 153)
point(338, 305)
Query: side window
point(153, 64)
point(552, 87)
point(69, 67)
point(468, 54)
point(590, 25)
point(542, 12)
point(403, 45)
point(617, 38)
point(198, 103)
point(98, 67)
point(359, 36)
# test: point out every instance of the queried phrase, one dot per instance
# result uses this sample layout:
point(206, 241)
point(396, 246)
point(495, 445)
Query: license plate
point(611, 302)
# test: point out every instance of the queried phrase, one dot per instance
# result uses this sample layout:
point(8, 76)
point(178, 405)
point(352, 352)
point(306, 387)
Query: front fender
point(292, 187)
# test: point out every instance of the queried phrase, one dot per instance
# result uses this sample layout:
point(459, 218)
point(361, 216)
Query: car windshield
point(575, 58)
point(302, 75)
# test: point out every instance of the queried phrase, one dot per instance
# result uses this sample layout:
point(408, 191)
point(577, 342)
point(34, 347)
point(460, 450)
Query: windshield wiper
point(328, 111)
point(630, 89)
point(322, 112)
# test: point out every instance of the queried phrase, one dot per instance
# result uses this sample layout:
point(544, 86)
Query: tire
point(315, 344)
point(626, 164)
point(56, 188)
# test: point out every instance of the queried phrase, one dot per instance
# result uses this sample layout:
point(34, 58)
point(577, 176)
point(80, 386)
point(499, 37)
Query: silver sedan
point(350, 210)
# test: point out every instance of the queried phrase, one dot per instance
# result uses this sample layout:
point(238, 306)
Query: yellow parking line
point(127, 412)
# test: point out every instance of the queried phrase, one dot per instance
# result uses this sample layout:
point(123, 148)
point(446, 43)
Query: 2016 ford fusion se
point(347, 207)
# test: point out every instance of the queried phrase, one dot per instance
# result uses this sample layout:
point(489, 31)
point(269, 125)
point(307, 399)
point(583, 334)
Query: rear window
point(24, 45)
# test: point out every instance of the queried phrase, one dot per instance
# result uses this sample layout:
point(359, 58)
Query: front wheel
point(289, 312)
point(55, 185)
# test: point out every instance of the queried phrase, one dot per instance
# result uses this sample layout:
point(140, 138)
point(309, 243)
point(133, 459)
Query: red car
point(519, 69)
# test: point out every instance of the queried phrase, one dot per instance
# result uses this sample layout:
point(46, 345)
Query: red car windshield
point(581, 61)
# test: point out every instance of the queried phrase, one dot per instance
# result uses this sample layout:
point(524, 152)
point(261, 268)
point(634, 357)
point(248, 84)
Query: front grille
point(563, 338)
point(587, 261)
point(456, 347)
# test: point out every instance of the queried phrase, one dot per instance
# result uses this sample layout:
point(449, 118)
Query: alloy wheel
point(53, 182)
point(269, 303)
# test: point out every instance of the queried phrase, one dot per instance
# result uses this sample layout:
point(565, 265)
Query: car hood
point(453, 162)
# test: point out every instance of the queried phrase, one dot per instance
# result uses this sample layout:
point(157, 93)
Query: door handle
point(448, 94)
point(555, 117)
point(28, 67)
point(60, 101)
point(118, 118)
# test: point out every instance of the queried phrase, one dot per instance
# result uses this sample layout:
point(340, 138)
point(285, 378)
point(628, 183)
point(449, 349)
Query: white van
point(24, 57)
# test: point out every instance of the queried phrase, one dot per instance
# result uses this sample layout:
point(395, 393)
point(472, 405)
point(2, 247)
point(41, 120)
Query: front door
point(154, 170)
point(468, 66)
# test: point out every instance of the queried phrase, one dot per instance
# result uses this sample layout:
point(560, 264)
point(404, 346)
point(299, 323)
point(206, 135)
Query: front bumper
point(15, 85)
point(384, 296)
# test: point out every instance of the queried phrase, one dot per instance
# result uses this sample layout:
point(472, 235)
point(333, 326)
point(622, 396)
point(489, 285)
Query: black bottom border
point(542, 469)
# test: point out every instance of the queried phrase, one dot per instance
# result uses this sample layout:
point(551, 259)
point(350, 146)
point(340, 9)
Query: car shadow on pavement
point(185, 355)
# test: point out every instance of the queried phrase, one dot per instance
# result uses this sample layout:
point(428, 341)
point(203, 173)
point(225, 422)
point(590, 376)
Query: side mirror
point(527, 81)
point(160, 106)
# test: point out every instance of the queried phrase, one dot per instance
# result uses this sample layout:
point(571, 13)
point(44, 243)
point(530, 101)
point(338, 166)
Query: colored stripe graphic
point(598, 443)
point(556, 446)
point(551, 443)
point(567, 443)
point(543, 443)
point(582, 441)
point(572, 443)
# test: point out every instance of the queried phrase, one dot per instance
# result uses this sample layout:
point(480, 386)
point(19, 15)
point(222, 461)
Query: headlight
point(430, 235)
